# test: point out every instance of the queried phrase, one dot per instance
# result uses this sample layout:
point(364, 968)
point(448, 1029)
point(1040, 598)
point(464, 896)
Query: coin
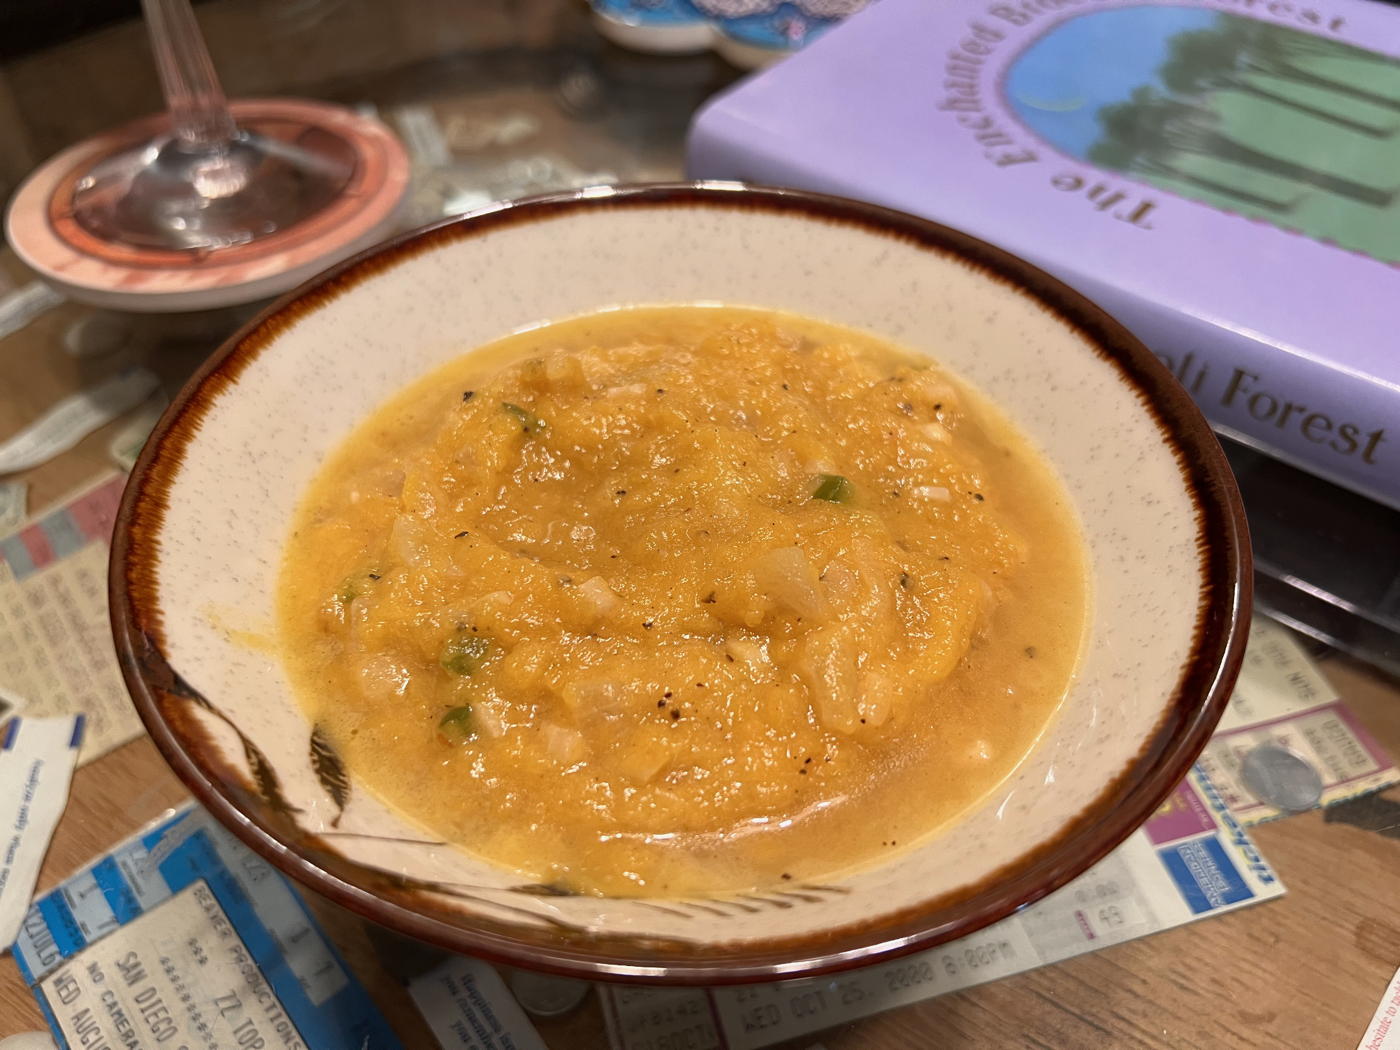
point(546, 996)
point(1281, 777)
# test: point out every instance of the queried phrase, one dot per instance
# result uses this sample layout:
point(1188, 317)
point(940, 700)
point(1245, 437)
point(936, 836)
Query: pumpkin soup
point(683, 600)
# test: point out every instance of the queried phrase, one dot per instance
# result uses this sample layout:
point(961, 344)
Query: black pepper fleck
point(675, 714)
point(977, 496)
point(803, 771)
point(622, 492)
point(460, 535)
point(373, 575)
point(647, 625)
point(467, 395)
point(1030, 651)
point(786, 877)
point(709, 599)
point(667, 694)
point(904, 580)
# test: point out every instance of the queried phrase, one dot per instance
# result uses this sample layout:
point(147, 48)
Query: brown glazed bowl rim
point(1127, 799)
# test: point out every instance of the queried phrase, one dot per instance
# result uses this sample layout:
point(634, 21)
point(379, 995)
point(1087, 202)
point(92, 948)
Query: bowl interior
point(209, 508)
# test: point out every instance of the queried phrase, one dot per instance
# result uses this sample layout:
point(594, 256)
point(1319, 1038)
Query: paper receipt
point(37, 756)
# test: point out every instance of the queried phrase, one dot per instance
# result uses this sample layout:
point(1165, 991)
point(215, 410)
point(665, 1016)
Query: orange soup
point(684, 600)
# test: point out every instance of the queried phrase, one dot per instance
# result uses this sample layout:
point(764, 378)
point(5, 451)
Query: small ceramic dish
point(209, 505)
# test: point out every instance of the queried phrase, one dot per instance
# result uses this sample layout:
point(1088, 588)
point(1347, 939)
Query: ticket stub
point(37, 756)
point(469, 1007)
point(1191, 860)
point(55, 642)
point(1282, 699)
point(183, 938)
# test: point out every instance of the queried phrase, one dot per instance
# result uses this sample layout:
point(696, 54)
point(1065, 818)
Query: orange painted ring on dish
point(41, 228)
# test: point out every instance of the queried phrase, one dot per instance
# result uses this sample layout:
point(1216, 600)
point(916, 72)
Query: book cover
point(1221, 175)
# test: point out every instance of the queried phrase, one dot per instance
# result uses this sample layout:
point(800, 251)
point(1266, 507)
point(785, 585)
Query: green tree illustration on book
point(1250, 117)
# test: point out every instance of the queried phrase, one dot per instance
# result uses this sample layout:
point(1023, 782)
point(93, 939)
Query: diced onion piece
point(644, 757)
point(563, 370)
point(487, 718)
point(827, 664)
point(937, 432)
point(383, 675)
point(747, 652)
point(933, 493)
point(601, 600)
point(876, 700)
point(787, 576)
point(564, 744)
point(607, 697)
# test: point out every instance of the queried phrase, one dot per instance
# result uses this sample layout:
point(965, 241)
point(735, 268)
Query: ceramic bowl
point(210, 503)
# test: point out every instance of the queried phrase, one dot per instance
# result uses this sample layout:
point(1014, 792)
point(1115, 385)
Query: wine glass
point(204, 183)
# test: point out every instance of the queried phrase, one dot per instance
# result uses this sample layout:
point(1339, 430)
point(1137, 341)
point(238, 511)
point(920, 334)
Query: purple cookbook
point(1224, 177)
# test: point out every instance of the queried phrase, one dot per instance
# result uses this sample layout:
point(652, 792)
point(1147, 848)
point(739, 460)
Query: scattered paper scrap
point(182, 936)
point(1191, 860)
point(469, 1007)
point(14, 504)
point(1383, 1033)
point(20, 307)
point(55, 643)
point(74, 418)
point(37, 756)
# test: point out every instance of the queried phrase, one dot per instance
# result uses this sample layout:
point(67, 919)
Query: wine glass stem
point(193, 95)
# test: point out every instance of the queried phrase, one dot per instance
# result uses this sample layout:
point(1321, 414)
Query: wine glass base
point(134, 220)
point(166, 194)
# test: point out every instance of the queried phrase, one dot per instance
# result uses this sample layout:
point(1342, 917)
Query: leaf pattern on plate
point(265, 777)
point(330, 771)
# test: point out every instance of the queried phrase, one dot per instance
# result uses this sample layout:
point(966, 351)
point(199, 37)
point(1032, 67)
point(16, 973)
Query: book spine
point(1330, 422)
point(1338, 425)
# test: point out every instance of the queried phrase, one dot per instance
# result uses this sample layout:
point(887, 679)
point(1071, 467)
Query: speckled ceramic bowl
point(209, 505)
